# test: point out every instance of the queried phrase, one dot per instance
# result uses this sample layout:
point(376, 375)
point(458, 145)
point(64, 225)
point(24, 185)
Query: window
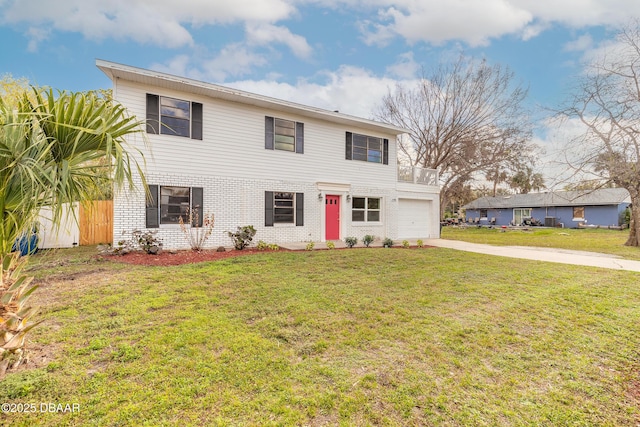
point(365, 209)
point(519, 215)
point(367, 148)
point(167, 204)
point(578, 213)
point(283, 208)
point(483, 213)
point(285, 135)
point(170, 116)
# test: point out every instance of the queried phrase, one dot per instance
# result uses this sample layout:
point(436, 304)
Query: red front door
point(332, 217)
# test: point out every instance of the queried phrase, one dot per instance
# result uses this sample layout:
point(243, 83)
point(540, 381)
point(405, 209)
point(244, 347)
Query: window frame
point(278, 210)
point(521, 216)
point(271, 135)
point(154, 207)
point(366, 210)
point(158, 117)
point(270, 209)
point(578, 209)
point(351, 146)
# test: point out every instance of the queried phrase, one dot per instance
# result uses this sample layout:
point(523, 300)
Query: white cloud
point(405, 68)
point(234, 60)
point(477, 22)
point(350, 90)
point(161, 22)
point(265, 34)
point(581, 44)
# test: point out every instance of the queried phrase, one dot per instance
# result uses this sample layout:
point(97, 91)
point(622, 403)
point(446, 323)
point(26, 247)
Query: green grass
point(596, 240)
point(352, 337)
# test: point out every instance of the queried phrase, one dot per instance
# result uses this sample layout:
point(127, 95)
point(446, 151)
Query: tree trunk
point(634, 224)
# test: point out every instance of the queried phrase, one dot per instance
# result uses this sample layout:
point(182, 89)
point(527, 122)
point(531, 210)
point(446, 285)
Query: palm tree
point(53, 150)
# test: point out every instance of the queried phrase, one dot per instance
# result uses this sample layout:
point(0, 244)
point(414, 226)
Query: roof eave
point(120, 71)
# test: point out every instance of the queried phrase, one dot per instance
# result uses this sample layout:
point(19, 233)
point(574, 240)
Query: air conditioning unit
point(549, 221)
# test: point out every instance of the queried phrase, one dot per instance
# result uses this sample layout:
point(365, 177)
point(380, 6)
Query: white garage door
point(413, 218)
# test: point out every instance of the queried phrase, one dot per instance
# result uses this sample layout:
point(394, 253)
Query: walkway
point(563, 256)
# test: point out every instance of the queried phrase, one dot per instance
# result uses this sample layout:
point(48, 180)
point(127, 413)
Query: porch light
point(319, 196)
point(348, 197)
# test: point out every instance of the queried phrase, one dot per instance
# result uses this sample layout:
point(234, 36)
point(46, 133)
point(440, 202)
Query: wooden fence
point(96, 222)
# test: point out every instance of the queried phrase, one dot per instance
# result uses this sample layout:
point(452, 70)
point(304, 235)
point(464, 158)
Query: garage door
point(413, 218)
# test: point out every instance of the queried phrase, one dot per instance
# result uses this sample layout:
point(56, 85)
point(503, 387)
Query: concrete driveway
point(562, 256)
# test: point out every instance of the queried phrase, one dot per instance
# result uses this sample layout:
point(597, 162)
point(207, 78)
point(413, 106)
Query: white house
point(294, 172)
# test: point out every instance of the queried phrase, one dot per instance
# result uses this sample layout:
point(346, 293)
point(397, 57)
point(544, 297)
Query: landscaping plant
point(55, 149)
point(197, 235)
point(367, 240)
point(351, 241)
point(242, 237)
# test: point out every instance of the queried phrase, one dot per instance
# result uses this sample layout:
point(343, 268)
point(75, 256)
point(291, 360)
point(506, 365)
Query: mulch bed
point(180, 257)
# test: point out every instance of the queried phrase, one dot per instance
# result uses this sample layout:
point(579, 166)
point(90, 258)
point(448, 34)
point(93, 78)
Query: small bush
point(368, 239)
point(197, 236)
point(274, 247)
point(351, 241)
point(310, 246)
point(243, 237)
point(405, 244)
point(139, 241)
point(331, 245)
point(420, 243)
point(387, 242)
point(262, 245)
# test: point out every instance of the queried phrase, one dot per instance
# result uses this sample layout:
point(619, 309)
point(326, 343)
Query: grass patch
point(358, 337)
point(593, 240)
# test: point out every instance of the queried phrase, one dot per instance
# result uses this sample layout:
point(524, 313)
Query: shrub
point(331, 245)
point(147, 241)
point(197, 236)
point(351, 241)
point(242, 237)
point(310, 246)
point(274, 247)
point(139, 241)
point(405, 244)
point(262, 245)
point(387, 242)
point(420, 243)
point(368, 239)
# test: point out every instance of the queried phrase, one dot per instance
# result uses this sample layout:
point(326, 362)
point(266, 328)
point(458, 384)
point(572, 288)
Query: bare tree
point(607, 103)
point(465, 119)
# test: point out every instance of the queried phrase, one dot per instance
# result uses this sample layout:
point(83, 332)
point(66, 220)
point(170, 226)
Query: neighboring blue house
point(571, 209)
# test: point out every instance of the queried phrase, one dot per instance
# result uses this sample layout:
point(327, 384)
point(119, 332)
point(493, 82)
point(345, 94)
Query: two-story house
point(295, 172)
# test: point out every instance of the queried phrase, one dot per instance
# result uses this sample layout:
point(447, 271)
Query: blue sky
point(334, 54)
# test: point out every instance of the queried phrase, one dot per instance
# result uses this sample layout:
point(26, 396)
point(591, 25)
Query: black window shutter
point(196, 206)
point(152, 214)
point(153, 113)
point(269, 125)
point(268, 208)
point(299, 209)
point(349, 146)
point(385, 151)
point(299, 137)
point(196, 120)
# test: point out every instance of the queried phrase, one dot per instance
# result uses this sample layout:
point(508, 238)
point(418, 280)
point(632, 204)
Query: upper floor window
point(281, 134)
point(367, 148)
point(170, 116)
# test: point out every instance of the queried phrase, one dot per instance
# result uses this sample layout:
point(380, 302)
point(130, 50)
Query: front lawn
point(345, 337)
point(594, 240)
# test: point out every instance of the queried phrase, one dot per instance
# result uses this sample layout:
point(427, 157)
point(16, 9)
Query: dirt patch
point(180, 257)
